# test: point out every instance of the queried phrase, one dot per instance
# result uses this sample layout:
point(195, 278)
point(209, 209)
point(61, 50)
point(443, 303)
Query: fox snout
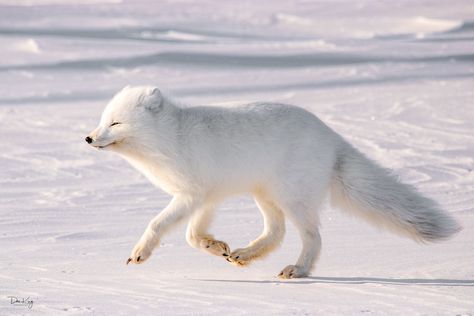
point(93, 136)
point(100, 140)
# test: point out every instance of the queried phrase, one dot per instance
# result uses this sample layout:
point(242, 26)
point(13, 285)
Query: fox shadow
point(358, 280)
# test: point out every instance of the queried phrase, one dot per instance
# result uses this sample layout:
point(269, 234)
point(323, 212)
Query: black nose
point(88, 140)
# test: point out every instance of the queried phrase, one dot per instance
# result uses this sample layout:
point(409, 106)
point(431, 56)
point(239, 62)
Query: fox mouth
point(104, 146)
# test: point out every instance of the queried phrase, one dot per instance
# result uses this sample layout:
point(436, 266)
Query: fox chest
point(158, 174)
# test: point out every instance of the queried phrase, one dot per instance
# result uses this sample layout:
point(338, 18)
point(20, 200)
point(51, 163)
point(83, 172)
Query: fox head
point(128, 117)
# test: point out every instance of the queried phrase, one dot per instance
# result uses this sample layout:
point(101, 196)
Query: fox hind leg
point(311, 239)
point(271, 237)
point(302, 210)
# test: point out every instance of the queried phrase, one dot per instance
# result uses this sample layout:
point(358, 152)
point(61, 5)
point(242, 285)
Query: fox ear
point(153, 91)
point(155, 100)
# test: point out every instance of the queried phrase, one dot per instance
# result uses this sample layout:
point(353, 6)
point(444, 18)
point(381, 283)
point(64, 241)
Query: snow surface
point(393, 77)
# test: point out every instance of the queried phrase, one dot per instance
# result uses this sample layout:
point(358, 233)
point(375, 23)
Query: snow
point(395, 78)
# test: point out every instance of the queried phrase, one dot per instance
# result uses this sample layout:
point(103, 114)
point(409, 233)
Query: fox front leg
point(180, 208)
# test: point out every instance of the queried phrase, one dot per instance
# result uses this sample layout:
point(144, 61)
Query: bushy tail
point(363, 188)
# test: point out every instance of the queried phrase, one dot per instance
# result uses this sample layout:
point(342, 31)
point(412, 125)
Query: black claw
point(138, 259)
point(225, 255)
point(128, 261)
point(290, 275)
point(228, 259)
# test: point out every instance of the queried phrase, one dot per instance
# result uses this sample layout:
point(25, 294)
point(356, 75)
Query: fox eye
point(115, 123)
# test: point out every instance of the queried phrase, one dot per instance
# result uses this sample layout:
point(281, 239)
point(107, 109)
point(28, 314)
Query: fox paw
point(241, 257)
point(140, 253)
point(291, 272)
point(215, 247)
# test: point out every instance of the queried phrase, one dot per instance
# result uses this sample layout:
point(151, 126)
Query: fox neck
point(155, 153)
point(156, 168)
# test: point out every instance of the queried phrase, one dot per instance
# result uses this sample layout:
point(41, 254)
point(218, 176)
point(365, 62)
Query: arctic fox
point(283, 155)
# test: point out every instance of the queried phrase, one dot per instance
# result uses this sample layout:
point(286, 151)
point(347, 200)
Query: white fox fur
point(283, 155)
